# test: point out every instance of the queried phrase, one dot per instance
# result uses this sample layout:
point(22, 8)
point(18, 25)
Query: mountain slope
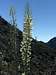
point(52, 43)
point(43, 57)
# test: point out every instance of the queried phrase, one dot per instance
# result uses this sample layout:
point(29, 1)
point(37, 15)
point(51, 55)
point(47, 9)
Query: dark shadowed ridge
point(52, 43)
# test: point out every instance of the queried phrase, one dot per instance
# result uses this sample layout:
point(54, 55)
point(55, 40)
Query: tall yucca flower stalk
point(26, 42)
point(13, 39)
point(13, 32)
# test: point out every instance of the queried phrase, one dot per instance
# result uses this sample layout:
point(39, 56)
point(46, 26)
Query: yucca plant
point(26, 42)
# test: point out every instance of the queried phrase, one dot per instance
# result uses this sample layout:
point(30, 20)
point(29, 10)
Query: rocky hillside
point(43, 61)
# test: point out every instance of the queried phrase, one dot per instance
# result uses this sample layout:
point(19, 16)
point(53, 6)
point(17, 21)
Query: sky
point(43, 16)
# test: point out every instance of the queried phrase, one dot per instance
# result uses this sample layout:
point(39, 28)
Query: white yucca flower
point(26, 43)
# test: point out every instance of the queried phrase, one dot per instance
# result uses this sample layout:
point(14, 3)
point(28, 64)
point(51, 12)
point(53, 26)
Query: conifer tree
point(26, 42)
